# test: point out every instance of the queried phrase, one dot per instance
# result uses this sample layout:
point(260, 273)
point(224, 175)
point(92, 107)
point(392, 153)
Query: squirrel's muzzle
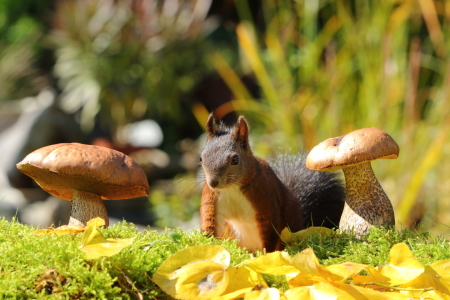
point(213, 183)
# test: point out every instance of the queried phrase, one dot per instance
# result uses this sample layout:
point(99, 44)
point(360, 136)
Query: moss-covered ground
point(47, 266)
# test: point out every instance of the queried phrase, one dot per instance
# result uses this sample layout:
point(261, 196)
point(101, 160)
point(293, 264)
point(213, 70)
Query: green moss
point(51, 267)
point(374, 248)
point(27, 259)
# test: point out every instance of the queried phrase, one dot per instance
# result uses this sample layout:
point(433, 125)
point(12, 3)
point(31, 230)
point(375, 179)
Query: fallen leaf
point(403, 266)
point(373, 276)
point(342, 272)
point(200, 280)
point(197, 272)
point(287, 236)
point(311, 270)
point(94, 245)
point(91, 234)
point(239, 294)
point(425, 295)
point(275, 263)
point(61, 230)
point(243, 277)
point(299, 293)
point(109, 247)
point(303, 280)
point(435, 276)
point(405, 274)
point(50, 281)
point(338, 291)
point(264, 294)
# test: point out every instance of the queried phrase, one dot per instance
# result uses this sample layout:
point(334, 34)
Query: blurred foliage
point(326, 68)
point(20, 31)
point(176, 207)
point(123, 60)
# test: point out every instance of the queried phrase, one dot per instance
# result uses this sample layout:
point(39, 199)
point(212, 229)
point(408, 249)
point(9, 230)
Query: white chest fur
point(237, 211)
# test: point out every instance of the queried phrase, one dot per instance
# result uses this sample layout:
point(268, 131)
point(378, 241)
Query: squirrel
point(249, 199)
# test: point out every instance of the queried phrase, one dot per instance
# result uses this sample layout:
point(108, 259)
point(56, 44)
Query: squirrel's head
point(227, 158)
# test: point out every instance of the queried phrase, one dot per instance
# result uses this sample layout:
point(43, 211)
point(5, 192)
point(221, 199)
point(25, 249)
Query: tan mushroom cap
point(358, 146)
point(59, 169)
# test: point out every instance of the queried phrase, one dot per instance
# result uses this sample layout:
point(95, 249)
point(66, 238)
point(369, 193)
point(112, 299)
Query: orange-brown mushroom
point(366, 202)
point(85, 175)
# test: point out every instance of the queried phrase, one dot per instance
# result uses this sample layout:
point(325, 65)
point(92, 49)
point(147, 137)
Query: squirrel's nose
point(213, 183)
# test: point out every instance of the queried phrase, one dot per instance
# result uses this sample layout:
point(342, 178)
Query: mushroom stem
point(87, 206)
point(366, 203)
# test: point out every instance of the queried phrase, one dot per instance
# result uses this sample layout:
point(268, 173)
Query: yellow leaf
point(432, 283)
point(94, 245)
point(342, 272)
point(298, 293)
point(436, 276)
point(338, 291)
point(108, 247)
point(64, 229)
point(403, 267)
point(310, 269)
point(301, 280)
point(264, 294)
point(42, 231)
point(91, 234)
point(243, 277)
point(435, 295)
point(373, 276)
point(199, 280)
point(287, 236)
point(197, 272)
point(442, 268)
point(324, 290)
point(275, 263)
point(320, 290)
point(192, 254)
point(61, 230)
point(239, 294)
point(347, 291)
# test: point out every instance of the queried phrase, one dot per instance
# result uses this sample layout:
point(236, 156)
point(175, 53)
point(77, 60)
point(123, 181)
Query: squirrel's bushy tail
point(321, 194)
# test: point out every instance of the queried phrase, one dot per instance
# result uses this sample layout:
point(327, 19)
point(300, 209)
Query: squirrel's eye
point(200, 159)
point(235, 160)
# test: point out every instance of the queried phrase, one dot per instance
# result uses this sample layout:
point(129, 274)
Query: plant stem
point(394, 287)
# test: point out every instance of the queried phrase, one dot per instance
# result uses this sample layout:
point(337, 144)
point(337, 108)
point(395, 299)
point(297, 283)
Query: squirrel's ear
point(241, 132)
point(210, 126)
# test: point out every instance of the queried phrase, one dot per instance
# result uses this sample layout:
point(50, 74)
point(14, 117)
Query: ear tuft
point(210, 126)
point(240, 133)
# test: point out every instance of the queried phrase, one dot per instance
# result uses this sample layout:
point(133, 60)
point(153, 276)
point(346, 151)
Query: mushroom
point(366, 203)
point(85, 174)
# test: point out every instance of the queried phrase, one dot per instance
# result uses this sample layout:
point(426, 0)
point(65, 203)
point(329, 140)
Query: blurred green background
point(300, 71)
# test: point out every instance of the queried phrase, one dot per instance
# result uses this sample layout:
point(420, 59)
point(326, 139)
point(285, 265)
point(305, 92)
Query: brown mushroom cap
point(59, 169)
point(358, 146)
